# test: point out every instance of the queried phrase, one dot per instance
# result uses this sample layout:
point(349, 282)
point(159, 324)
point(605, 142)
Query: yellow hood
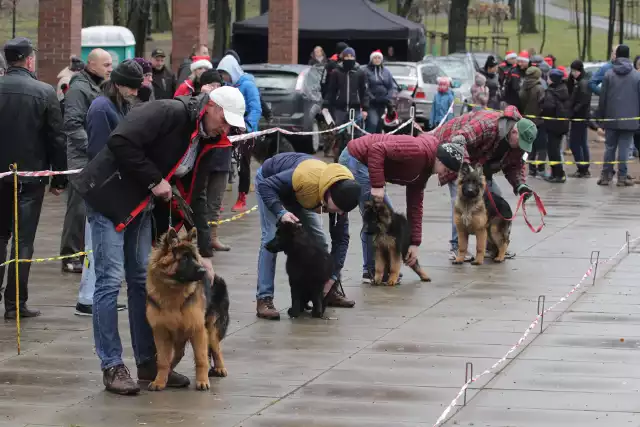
point(312, 178)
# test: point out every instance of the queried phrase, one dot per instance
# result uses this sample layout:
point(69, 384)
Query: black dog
point(309, 266)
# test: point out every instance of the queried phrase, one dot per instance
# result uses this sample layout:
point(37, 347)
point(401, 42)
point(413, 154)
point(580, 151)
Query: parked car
point(590, 68)
point(293, 92)
point(481, 58)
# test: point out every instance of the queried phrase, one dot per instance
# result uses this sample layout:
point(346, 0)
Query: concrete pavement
point(397, 358)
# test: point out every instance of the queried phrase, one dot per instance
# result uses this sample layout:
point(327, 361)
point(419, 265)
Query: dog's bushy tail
point(219, 304)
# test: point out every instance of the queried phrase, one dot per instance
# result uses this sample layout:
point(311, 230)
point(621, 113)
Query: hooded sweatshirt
point(247, 86)
point(557, 103)
point(620, 96)
point(532, 94)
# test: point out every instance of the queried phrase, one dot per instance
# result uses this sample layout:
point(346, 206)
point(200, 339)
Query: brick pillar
point(284, 17)
point(190, 19)
point(59, 36)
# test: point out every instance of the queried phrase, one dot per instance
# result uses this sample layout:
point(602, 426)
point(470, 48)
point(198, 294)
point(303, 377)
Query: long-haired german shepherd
point(182, 306)
point(309, 266)
point(391, 238)
point(473, 213)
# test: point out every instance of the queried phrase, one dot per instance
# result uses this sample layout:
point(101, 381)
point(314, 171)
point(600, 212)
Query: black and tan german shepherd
point(183, 307)
point(391, 238)
point(473, 213)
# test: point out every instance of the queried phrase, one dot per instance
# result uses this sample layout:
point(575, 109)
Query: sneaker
point(337, 298)
point(118, 380)
point(556, 179)
point(366, 277)
point(72, 265)
point(147, 372)
point(241, 204)
point(586, 174)
point(625, 181)
point(87, 309)
point(453, 254)
point(604, 179)
point(266, 310)
point(533, 171)
point(25, 312)
point(577, 174)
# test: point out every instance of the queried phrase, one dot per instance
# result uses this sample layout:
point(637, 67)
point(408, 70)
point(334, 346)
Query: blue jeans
point(622, 141)
point(268, 222)
point(579, 144)
point(360, 172)
point(453, 192)
point(88, 279)
point(119, 256)
point(374, 122)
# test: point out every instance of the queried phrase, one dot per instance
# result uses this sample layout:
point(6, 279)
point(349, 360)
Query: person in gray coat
point(84, 87)
point(619, 98)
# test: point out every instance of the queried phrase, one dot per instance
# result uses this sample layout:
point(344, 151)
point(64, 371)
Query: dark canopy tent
point(359, 23)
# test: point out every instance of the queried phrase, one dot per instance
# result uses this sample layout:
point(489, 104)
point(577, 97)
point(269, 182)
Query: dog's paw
point(293, 313)
point(217, 372)
point(425, 279)
point(392, 282)
point(156, 386)
point(458, 261)
point(498, 260)
point(203, 385)
point(477, 262)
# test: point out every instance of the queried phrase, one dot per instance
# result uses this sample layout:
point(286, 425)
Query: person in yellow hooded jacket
point(294, 187)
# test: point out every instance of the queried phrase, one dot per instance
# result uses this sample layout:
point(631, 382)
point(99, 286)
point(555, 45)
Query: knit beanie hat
point(201, 62)
point(451, 155)
point(76, 64)
point(211, 76)
point(622, 51)
point(341, 46)
point(345, 194)
point(444, 83)
point(577, 65)
point(527, 132)
point(549, 60)
point(523, 56)
point(534, 71)
point(511, 55)
point(128, 73)
point(556, 75)
point(491, 62)
point(376, 54)
point(349, 51)
point(480, 79)
point(144, 64)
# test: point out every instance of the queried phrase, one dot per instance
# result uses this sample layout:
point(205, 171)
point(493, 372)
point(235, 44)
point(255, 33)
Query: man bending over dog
point(294, 187)
point(155, 143)
point(495, 140)
point(399, 159)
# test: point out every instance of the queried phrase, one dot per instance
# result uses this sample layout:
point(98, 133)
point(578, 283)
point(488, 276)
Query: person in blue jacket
point(596, 80)
point(382, 91)
point(441, 102)
point(231, 72)
point(294, 187)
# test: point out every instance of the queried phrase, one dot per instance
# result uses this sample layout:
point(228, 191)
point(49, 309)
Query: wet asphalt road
point(397, 358)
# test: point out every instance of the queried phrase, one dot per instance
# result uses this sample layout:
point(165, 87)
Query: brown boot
point(216, 243)
point(266, 310)
point(337, 298)
point(118, 380)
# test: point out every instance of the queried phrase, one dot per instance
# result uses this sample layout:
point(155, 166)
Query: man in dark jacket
point(84, 87)
point(580, 105)
point(556, 104)
point(506, 66)
point(382, 91)
point(531, 96)
point(331, 65)
point(514, 79)
point(185, 68)
point(619, 98)
point(31, 138)
point(164, 81)
point(157, 142)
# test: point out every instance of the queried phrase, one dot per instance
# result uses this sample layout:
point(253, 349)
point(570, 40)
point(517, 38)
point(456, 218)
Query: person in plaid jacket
point(495, 140)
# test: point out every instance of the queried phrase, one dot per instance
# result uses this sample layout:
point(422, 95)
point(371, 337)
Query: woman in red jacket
point(191, 86)
point(398, 159)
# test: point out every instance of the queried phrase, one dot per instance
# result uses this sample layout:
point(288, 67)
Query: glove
point(526, 190)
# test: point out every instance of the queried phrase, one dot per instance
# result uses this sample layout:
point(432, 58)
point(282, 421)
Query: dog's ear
point(171, 238)
point(466, 168)
point(193, 235)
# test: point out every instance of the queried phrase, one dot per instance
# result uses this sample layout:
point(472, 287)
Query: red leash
point(521, 203)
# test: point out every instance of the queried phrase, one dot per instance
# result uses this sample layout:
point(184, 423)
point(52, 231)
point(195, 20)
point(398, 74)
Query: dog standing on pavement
point(182, 308)
point(473, 213)
point(391, 238)
point(309, 266)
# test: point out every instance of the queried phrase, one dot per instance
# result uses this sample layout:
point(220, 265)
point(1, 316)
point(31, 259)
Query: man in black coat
point(31, 136)
point(164, 81)
point(580, 109)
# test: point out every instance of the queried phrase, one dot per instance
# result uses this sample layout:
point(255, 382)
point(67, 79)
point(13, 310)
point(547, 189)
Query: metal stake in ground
point(412, 113)
point(628, 242)
point(352, 120)
point(595, 268)
point(468, 375)
point(14, 169)
point(541, 300)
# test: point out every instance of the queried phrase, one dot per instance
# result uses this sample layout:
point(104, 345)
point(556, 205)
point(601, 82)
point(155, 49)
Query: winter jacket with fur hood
point(532, 94)
point(620, 96)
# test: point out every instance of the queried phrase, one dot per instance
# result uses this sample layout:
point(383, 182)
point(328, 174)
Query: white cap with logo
point(231, 101)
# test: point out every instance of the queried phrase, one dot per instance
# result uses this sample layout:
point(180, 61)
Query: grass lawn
point(560, 40)
point(599, 8)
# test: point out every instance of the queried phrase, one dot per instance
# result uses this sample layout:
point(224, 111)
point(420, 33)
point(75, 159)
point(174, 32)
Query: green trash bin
point(118, 41)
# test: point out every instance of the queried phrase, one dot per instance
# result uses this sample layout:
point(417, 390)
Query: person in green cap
point(495, 140)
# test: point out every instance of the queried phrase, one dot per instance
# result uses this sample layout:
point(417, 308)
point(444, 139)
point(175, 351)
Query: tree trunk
point(528, 17)
point(92, 13)
point(405, 8)
point(264, 6)
point(117, 13)
point(585, 31)
point(589, 5)
point(612, 25)
point(393, 6)
point(138, 21)
point(458, 25)
point(577, 26)
point(212, 14)
point(544, 26)
point(512, 8)
point(162, 17)
point(621, 20)
point(221, 23)
point(240, 10)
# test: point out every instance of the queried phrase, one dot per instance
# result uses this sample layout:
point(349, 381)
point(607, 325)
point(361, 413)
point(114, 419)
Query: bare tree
point(458, 25)
point(544, 25)
point(222, 19)
point(577, 24)
point(138, 22)
point(528, 17)
point(92, 13)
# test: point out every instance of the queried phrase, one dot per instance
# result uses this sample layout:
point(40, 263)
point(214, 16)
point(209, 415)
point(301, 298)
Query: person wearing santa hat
point(382, 91)
point(514, 79)
point(506, 66)
point(191, 86)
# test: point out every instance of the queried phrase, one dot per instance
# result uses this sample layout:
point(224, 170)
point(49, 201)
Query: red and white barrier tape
point(524, 336)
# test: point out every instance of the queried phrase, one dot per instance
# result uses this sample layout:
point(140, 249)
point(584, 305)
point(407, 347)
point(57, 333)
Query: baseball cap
point(158, 52)
point(17, 49)
point(232, 103)
point(527, 132)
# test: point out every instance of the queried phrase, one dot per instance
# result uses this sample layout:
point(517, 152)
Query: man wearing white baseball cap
point(159, 145)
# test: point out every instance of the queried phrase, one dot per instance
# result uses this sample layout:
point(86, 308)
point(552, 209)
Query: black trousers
point(244, 172)
point(72, 240)
point(30, 198)
point(554, 149)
